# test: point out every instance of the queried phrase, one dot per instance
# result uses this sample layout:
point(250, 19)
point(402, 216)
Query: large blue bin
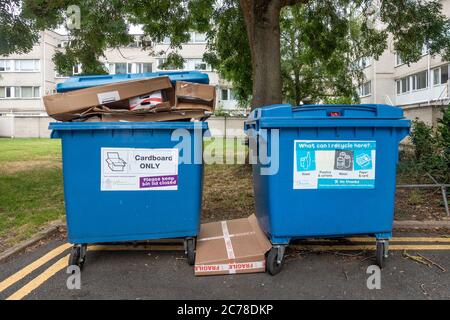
point(336, 174)
point(126, 181)
point(83, 82)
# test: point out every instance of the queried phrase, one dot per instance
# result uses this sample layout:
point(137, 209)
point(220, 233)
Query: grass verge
point(31, 193)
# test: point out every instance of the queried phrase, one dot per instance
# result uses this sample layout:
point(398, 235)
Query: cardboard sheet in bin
point(194, 96)
point(66, 106)
point(230, 247)
point(149, 117)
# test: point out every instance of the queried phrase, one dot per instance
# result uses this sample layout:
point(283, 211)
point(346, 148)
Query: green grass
point(31, 193)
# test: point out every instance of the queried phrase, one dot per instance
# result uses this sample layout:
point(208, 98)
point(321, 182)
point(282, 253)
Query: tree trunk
point(262, 19)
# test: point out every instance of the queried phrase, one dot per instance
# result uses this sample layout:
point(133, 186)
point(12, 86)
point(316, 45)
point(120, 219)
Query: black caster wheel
point(78, 256)
point(275, 260)
point(381, 253)
point(190, 251)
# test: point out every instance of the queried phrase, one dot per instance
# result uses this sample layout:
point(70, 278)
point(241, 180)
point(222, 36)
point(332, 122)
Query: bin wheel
point(381, 253)
point(190, 251)
point(77, 256)
point(275, 262)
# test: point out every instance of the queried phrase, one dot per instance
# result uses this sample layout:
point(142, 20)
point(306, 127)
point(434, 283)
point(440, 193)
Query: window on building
point(399, 86)
point(76, 70)
point(141, 67)
point(365, 62)
point(424, 50)
point(27, 92)
point(17, 92)
point(36, 92)
point(5, 65)
point(121, 68)
point(444, 74)
point(436, 76)
point(365, 89)
point(398, 60)
point(405, 85)
point(196, 64)
point(135, 44)
point(227, 94)
point(20, 92)
point(420, 80)
point(130, 68)
point(224, 94)
point(201, 66)
point(161, 61)
point(27, 65)
point(147, 67)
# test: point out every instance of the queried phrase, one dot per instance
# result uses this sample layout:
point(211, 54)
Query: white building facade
point(26, 78)
point(421, 88)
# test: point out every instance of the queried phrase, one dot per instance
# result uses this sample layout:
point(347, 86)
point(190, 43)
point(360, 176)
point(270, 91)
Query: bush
point(422, 137)
point(432, 147)
point(444, 137)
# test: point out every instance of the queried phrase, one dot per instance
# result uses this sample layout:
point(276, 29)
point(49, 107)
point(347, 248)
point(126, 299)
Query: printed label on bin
point(128, 169)
point(334, 164)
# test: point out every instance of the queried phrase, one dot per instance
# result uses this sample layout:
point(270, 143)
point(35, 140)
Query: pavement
point(322, 269)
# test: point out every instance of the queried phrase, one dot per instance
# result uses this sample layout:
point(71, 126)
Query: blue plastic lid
point(325, 115)
point(332, 111)
point(83, 82)
point(73, 126)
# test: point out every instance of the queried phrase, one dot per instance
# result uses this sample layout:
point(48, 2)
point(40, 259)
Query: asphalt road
point(165, 275)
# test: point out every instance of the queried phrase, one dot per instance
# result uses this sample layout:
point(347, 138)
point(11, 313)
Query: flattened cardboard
point(155, 117)
point(191, 96)
point(64, 106)
point(230, 247)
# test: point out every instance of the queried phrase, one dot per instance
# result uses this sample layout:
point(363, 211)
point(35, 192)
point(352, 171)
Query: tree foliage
point(18, 33)
point(432, 147)
point(319, 38)
point(319, 57)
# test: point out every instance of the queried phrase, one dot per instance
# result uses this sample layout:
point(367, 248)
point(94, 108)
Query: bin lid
point(83, 82)
point(75, 126)
point(326, 114)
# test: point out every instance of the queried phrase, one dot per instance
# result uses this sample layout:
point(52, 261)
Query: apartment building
point(421, 88)
point(24, 79)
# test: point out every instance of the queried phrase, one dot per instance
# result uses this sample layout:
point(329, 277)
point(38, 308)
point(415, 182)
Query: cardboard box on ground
point(230, 247)
point(144, 100)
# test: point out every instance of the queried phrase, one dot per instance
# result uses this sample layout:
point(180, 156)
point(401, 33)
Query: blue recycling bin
point(84, 82)
point(131, 181)
point(332, 172)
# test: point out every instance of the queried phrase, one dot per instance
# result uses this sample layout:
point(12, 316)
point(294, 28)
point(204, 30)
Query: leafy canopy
point(320, 39)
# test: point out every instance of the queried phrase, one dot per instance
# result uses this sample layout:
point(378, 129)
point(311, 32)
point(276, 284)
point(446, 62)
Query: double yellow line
point(436, 243)
point(47, 274)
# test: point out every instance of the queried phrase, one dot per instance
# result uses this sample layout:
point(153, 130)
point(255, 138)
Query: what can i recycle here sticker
point(334, 164)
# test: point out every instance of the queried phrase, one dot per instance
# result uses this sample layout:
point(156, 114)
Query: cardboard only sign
point(231, 247)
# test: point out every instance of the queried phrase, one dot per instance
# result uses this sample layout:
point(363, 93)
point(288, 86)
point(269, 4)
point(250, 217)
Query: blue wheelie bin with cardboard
point(332, 172)
point(131, 181)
